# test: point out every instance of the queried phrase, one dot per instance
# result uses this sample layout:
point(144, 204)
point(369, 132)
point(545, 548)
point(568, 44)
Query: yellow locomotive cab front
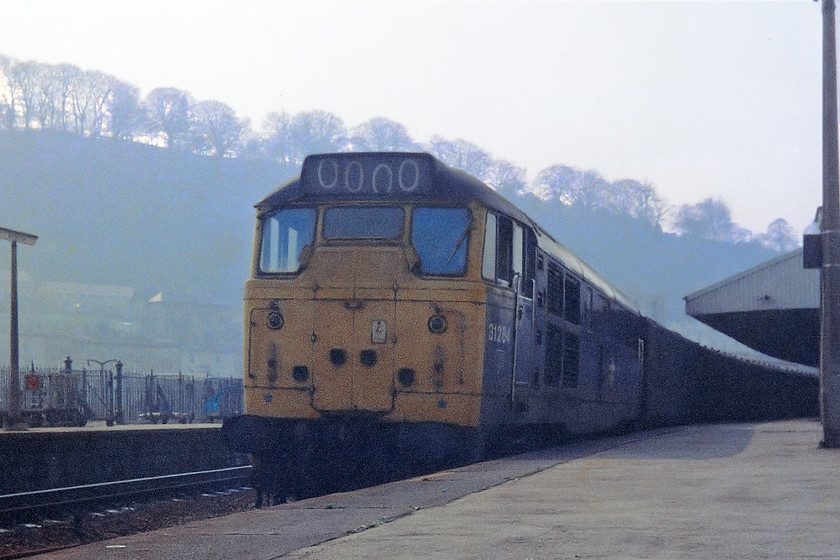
point(364, 325)
point(350, 320)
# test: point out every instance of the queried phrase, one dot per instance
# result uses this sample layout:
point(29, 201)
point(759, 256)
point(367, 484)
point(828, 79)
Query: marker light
point(437, 324)
point(275, 320)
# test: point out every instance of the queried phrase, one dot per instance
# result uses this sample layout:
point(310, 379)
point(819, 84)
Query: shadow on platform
point(689, 443)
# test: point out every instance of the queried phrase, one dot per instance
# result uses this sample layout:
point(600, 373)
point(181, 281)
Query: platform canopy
point(772, 307)
point(18, 236)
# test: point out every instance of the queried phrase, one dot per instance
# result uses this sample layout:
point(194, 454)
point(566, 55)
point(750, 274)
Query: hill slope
point(155, 221)
point(123, 213)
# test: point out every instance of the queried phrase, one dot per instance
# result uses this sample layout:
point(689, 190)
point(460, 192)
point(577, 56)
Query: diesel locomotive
point(400, 312)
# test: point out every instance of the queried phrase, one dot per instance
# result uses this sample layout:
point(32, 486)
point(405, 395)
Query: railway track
point(21, 506)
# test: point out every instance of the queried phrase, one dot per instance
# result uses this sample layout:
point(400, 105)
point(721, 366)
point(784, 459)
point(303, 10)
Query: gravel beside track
point(77, 528)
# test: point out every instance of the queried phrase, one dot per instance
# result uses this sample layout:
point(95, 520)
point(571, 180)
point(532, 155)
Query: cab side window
point(498, 264)
point(488, 265)
point(509, 253)
point(529, 262)
point(504, 250)
point(285, 234)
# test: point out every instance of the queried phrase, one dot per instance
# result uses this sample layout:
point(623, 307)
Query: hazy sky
point(702, 99)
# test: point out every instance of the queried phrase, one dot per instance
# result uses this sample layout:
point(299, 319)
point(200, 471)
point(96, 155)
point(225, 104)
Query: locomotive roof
point(442, 183)
point(583, 270)
point(445, 184)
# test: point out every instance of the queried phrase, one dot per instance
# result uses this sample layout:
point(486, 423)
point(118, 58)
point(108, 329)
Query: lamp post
point(15, 237)
point(109, 419)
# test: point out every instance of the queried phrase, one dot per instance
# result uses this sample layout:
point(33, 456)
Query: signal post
point(14, 396)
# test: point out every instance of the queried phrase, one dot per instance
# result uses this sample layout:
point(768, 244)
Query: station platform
point(45, 458)
point(762, 490)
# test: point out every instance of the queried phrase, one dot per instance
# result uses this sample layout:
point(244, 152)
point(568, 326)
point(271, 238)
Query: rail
point(17, 505)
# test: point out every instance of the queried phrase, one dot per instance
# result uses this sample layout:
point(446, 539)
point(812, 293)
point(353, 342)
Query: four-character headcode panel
point(368, 174)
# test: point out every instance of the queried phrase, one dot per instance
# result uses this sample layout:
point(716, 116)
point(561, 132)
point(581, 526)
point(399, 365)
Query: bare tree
point(593, 191)
point(506, 177)
point(462, 155)
point(23, 79)
point(710, 219)
point(557, 182)
point(63, 76)
point(168, 111)
point(382, 135)
point(572, 187)
point(319, 132)
point(277, 143)
point(639, 200)
point(289, 139)
point(779, 236)
point(43, 106)
point(54, 86)
point(56, 96)
point(89, 99)
point(7, 116)
point(101, 90)
point(125, 113)
point(216, 130)
point(80, 100)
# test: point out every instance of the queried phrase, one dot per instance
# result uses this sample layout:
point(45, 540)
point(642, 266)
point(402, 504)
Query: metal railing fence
point(114, 396)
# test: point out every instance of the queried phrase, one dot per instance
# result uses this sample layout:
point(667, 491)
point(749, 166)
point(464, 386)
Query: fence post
point(119, 417)
point(180, 392)
point(109, 415)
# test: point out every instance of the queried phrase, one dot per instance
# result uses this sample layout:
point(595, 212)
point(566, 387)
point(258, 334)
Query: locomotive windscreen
point(371, 175)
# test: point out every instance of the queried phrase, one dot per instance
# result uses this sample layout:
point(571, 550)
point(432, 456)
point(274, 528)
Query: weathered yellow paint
point(334, 329)
point(443, 362)
point(286, 403)
point(373, 386)
point(449, 408)
point(292, 342)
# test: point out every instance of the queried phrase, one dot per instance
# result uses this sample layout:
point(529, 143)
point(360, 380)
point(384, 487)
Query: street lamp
point(109, 420)
point(15, 237)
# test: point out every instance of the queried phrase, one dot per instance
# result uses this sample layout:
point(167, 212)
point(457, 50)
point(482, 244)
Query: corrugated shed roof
point(778, 284)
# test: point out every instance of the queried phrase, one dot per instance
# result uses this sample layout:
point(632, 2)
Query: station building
point(773, 308)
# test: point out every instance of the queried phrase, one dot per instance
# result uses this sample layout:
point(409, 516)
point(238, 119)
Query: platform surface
point(719, 491)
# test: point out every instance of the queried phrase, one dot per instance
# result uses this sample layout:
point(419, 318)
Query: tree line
point(66, 98)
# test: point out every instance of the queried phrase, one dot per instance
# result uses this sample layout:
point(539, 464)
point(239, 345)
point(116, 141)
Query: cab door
point(524, 259)
point(509, 262)
point(354, 355)
point(332, 371)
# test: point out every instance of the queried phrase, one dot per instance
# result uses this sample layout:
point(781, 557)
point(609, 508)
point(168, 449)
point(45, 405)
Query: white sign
point(383, 180)
point(379, 331)
point(499, 333)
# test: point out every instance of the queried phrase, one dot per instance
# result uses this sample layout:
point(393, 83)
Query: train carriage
point(401, 308)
